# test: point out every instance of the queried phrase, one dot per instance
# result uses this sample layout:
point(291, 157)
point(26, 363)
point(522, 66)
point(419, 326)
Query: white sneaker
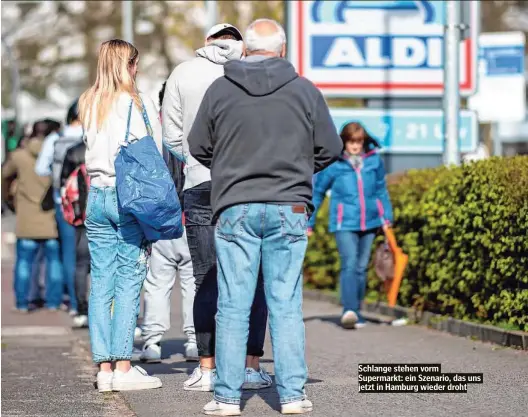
point(200, 380)
point(80, 322)
point(191, 352)
point(361, 325)
point(297, 407)
point(256, 379)
point(133, 380)
point(349, 319)
point(104, 381)
point(151, 353)
point(215, 408)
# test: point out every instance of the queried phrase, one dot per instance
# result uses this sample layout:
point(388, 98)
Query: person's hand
point(309, 232)
point(385, 227)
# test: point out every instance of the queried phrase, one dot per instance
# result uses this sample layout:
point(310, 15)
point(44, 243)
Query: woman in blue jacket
point(359, 205)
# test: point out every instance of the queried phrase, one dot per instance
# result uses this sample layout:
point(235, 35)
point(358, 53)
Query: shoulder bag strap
point(128, 121)
point(146, 119)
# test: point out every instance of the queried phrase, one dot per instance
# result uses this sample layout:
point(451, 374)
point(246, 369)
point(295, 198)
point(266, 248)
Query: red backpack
point(75, 195)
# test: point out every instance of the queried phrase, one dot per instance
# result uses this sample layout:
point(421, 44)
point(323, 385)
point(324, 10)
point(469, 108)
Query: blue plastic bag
point(145, 188)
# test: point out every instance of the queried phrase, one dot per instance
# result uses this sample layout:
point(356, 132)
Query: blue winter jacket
point(359, 198)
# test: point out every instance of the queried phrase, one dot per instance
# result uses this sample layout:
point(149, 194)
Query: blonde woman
point(118, 248)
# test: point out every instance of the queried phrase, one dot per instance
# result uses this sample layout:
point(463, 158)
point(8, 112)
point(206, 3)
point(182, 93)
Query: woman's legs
point(26, 251)
point(102, 241)
point(132, 258)
point(130, 266)
point(363, 256)
point(347, 245)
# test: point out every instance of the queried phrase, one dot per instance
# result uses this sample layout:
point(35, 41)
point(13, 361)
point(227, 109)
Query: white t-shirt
point(102, 147)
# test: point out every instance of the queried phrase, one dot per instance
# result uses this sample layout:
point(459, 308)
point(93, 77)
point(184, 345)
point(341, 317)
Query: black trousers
point(82, 269)
point(201, 239)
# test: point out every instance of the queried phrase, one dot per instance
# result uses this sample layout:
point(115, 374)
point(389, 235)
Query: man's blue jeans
point(68, 248)
point(250, 236)
point(119, 256)
point(26, 252)
point(354, 251)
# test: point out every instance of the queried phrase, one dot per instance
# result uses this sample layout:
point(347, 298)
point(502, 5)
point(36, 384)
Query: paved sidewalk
point(52, 376)
point(333, 355)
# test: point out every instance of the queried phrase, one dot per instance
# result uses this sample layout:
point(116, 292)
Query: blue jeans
point(273, 237)
point(119, 256)
point(67, 244)
point(354, 250)
point(27, 250)
point(35, 287)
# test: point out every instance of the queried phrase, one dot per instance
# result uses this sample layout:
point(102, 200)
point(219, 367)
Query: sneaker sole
point(349, 323)
point(136, 386)
point(104, 387)
point(297, 410)
point(201, 388)
point(255, 385)
point(223, 413)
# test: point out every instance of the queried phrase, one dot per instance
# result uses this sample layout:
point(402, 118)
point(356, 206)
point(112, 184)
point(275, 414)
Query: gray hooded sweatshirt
point(264, 131)
point(184, 91)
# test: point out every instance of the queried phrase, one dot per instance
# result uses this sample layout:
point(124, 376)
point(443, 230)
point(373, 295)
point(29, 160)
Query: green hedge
point(466, 232)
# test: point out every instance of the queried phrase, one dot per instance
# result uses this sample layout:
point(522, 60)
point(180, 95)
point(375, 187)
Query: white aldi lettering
point(376, 48)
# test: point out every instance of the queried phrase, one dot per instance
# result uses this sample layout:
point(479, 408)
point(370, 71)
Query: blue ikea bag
point(145, 188)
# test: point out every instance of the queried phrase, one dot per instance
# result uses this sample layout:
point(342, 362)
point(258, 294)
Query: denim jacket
point(359, 198)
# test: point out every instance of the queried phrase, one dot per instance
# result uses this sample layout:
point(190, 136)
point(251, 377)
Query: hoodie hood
point(221, 51)
point(262, 77)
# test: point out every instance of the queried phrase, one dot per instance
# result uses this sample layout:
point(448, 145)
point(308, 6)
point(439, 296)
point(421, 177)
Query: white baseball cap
point(224, 28)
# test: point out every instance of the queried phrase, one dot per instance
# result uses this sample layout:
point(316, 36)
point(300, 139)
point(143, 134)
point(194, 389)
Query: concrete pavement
point(52, 375)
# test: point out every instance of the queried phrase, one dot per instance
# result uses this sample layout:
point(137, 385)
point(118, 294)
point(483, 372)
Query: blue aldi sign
point(409, 131)
point(369, 48)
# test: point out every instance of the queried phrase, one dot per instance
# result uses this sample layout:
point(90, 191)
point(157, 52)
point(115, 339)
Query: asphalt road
point(51, 375)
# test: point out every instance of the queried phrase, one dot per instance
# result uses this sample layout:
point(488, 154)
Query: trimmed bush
point(466, 232)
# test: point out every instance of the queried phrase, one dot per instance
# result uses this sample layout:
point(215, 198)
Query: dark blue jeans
point(201, 239)
point(27, 250)
point(354, 251)
point(68, 248)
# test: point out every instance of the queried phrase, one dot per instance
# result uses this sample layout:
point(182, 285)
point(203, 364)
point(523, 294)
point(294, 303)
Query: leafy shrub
point(466, 232)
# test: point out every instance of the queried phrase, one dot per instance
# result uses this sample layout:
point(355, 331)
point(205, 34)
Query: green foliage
point(466, 233)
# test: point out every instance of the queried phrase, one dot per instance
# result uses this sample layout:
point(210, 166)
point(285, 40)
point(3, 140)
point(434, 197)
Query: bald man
point(263, 131)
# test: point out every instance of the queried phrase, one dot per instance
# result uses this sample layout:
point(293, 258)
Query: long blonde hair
point(113, 77)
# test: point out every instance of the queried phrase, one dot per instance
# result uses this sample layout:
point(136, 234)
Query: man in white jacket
point(184, 92)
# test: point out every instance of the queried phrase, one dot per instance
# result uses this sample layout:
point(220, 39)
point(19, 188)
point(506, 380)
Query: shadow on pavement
point(336, 319)
point(270, 396)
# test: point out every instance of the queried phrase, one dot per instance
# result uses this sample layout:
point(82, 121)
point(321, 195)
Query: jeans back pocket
point(294, 220)
point(230, 223)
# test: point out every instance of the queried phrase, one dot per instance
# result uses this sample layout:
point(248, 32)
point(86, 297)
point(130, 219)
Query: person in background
point(186, 87)
point(35, 226)
point(75, 158)
point(359, 206)
point(50, 162)
point(169, 258)
point(263, 131)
